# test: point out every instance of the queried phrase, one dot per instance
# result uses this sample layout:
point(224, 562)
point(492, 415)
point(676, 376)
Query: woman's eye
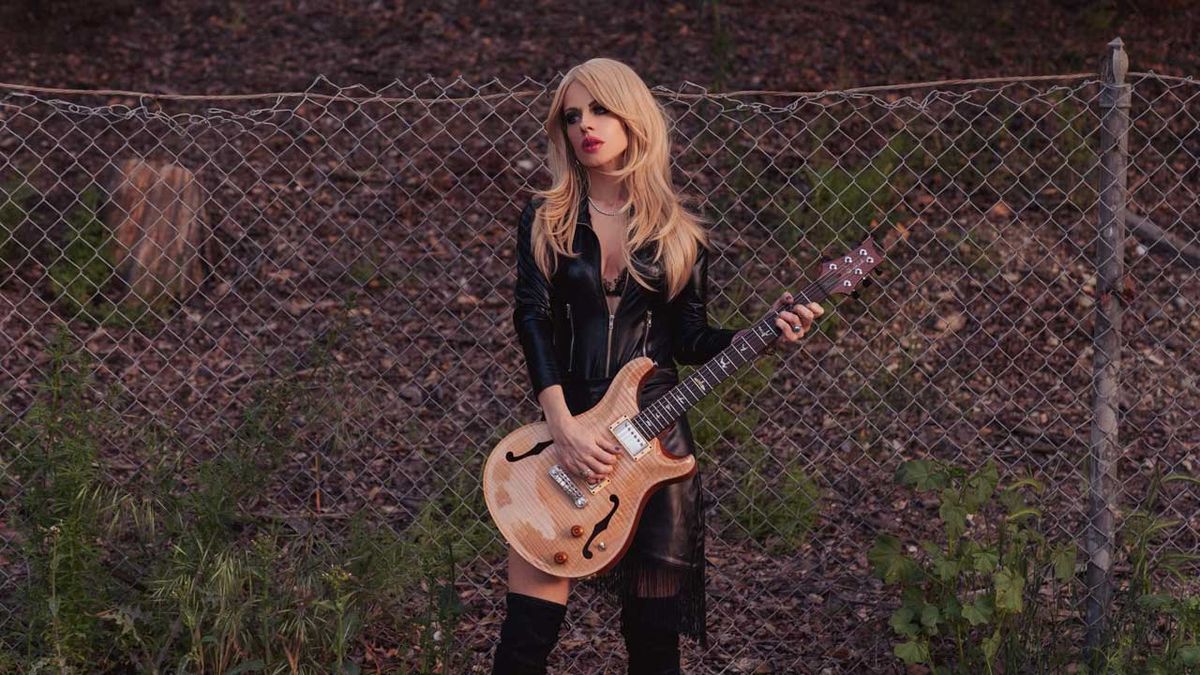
point(573, 116)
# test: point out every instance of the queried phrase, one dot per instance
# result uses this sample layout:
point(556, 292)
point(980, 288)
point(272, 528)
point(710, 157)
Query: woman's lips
point(592, 146)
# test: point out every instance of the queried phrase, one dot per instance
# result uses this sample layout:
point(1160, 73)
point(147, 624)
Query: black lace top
point(616, 286)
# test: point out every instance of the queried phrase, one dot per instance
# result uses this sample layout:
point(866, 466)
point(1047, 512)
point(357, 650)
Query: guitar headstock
point(844, 273)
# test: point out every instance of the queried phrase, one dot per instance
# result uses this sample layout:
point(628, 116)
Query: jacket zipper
point(608, 356)
point(604, 301)
point(646, 337)
point(571, 319)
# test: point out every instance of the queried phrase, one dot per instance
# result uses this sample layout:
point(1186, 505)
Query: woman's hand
point(794, 321)
point(587, 453)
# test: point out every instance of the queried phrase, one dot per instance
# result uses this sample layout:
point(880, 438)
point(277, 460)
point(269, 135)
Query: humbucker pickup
point(629, 437)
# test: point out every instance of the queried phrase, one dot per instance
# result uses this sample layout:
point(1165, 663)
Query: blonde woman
point(610, 267)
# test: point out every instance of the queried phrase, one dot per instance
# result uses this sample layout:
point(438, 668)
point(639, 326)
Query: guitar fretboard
point(745, 347)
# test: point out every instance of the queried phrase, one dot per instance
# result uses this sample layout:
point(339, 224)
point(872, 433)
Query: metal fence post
point(1114, 141)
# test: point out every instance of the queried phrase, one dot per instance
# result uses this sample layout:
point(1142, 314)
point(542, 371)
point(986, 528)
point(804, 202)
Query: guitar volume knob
point(560, 558)
point(576, 530)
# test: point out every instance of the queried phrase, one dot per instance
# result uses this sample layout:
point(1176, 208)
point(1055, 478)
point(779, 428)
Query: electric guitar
point(570, 527)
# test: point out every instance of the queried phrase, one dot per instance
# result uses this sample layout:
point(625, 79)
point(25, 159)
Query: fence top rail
point(660, 89)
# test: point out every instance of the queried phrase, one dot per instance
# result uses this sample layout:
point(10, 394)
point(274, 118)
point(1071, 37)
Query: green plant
point(367, 269)
point(810, 195)
point(896, 384)
point(749, 177)
point(1101, 16)
point(844, 204)
point(181, 575)
point(982, 163)
point(459, 503)
point(950, 158)
point(775, 507)
point(223, 486)
point(721, 44)
point(441, 615)
point(422, 563)
point(1151, 631)
point(976, 603)
point(1080, 160)
point(971, 604)
point(237, 18)
point(81, 274)
point(726, 412)
point(78, 276)
point(970, 249)
point(14, 213)
point(448, 528)
point(278, 603)
point(63, 513)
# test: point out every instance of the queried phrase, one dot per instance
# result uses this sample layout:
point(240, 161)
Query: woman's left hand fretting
point(801, 316)
point(794, 319)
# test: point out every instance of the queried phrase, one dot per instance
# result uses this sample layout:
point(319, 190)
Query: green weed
point(184, 571)
point(81, 275)
point(989, 598)
point(972, 602)
point(14, 214)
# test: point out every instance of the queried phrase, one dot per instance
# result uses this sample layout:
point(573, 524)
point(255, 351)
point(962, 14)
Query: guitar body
point(560, 523)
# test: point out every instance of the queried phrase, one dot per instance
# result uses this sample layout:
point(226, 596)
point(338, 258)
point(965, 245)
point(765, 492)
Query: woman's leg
point(529, 580)
point(649, 622)
point(535, 605)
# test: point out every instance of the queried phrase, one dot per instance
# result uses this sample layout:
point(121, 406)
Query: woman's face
point(596, 135)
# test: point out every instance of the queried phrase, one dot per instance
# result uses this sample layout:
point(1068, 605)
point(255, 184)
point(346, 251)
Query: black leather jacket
point(566, 330)
point(569, 338)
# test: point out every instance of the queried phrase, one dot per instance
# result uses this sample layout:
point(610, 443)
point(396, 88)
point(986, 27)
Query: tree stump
point(155, 214)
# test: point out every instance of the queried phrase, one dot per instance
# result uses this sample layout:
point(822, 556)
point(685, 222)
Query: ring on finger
point(796, 328)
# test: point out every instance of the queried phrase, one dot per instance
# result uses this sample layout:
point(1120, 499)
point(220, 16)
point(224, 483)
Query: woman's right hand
point(588, 453)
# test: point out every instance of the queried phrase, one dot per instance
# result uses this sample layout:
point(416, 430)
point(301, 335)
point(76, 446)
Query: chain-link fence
point(343, 358)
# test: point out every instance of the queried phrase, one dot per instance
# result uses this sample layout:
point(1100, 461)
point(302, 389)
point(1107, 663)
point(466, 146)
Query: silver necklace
point(614, 213)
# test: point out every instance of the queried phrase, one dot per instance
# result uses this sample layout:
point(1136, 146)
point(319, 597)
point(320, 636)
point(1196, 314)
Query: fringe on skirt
point(638, 575)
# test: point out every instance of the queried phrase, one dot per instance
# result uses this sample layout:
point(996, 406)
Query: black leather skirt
point(666, 556)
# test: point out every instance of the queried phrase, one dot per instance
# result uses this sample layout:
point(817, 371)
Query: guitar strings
point(646, 415)
point(808, 292)
point(819, 284)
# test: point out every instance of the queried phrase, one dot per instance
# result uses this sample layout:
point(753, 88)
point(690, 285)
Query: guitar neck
point(745, 348)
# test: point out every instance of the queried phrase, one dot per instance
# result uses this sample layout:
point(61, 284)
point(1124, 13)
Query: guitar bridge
point(568, 486)
point(629, 437)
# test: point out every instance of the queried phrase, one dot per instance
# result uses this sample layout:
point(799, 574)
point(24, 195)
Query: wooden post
point(156, 216)
point(1110, 269)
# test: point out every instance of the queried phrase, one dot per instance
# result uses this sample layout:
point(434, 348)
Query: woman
point(611, 267)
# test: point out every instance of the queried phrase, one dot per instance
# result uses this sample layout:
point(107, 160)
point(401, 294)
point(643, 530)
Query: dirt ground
point(831, 620)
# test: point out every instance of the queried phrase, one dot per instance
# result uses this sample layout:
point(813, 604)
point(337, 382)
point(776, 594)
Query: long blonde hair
point(658, 215)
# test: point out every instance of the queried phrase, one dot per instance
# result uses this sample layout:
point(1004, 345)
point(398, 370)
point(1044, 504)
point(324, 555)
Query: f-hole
point(535, 450)
point(601, 526)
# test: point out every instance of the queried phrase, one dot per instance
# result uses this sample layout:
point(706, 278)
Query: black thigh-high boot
point(650, 636)
point(529, 632)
